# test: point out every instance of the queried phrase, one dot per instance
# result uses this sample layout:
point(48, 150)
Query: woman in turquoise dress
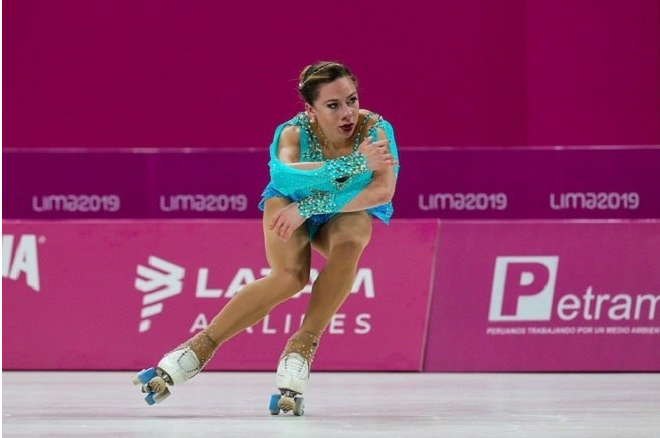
point(333, 169)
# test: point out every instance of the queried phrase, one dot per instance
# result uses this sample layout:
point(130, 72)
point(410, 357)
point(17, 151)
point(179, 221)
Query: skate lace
point(188, 361)
point(295, 363)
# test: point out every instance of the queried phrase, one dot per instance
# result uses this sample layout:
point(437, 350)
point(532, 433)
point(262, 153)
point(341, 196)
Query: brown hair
point(315, 75)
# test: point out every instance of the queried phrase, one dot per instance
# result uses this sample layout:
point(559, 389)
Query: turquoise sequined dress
point(296, 184)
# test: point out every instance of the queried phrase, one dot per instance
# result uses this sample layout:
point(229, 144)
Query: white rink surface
point(223, 404)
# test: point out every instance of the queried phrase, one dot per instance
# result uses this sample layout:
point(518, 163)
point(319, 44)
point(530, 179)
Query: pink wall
point(593, 72)
point(173, 73)
point(119, 294)
point(448, 183)
point(546, 296)
point(429, 295)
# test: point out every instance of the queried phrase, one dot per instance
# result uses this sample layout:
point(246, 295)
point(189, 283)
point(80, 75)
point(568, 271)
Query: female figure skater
point(333, 168)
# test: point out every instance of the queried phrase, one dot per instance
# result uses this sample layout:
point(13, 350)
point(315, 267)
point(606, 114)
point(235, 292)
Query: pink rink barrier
point(92, 295)
point(546, 296)
point(429, 295)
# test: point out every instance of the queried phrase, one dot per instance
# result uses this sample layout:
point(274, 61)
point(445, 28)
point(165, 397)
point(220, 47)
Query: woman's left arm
point(378, 191)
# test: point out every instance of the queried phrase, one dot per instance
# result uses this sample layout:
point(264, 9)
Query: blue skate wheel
point(272, 406)
point(156, 397)
point(145, 375)
point(150, 398)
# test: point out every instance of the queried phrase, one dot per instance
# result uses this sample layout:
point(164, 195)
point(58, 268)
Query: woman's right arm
point(288, 149)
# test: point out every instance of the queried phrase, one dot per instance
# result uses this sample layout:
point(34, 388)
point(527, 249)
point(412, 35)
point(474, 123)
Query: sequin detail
point(303, 343)
point(202, 345)
point(296, 185)
point(315, 151)
point(348, 165)
point(317, 203)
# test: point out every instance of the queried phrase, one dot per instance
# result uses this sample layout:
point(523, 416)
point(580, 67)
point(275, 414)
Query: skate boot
point(293, 374)
point(175, 368)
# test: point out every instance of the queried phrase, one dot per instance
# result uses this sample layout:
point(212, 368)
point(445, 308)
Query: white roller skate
point(293, 375)
point(175, 368)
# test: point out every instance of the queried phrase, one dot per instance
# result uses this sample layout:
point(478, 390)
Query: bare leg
point(341, 241)
point(290, 264)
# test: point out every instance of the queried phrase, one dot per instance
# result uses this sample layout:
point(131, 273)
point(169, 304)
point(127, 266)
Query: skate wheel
point(144, 376)
point(286, 404)
point(273, 404)
point(150, 398)
point(157, 384)
point(162, 395)
point(156, 397)
point(299, 408)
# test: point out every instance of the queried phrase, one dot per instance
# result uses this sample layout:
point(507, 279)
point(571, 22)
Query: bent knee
point(293, 279)
point(349, 242)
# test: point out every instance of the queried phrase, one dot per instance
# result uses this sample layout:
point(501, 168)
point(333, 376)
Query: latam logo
point(158, 281)
point(21, 258)
point(524, 290)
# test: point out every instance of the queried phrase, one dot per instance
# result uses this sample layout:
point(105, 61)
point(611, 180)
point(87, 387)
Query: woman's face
point(336, 109)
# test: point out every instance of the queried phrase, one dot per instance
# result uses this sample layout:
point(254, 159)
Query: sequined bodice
point(296, 184)
point(310, 146)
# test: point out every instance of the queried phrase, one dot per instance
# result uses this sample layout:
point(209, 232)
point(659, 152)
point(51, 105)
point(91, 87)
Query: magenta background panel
point(115, 295)
point(530, 183)
point(217, 74)
point(447, 183)
point(463, 296)
point(546, 296)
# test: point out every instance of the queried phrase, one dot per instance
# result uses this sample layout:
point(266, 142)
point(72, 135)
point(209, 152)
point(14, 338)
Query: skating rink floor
point(411, 405)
